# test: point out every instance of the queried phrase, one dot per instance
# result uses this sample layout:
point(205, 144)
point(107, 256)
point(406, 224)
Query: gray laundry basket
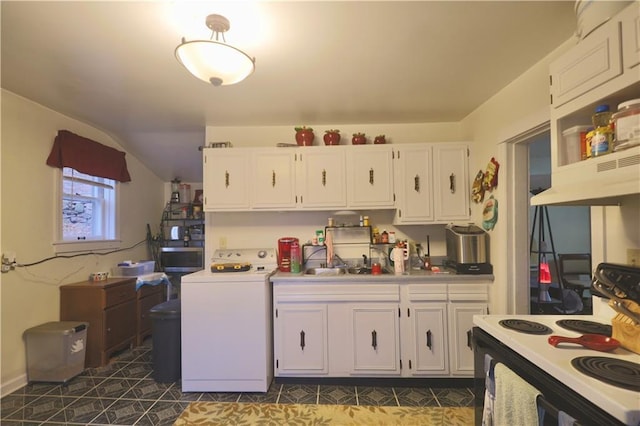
point(56, 351)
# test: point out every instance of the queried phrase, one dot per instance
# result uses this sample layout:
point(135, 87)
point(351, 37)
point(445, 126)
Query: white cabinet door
point(375, 339)
point(321, 173)
point(592, 62)
point(631, 38)
point(225, 179)
point(413, 184)
point(273, 179)
point(300, 339)
point(428, 339)
point(460, 325)
point(451, 181)
point(370, 176)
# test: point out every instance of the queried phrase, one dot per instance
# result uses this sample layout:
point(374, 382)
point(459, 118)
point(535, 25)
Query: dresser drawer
point(120, 293)
point(148, 290)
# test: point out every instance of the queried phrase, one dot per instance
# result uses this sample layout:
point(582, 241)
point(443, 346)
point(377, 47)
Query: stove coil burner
point(524, 326)
point(616, 372)
point(582, 326)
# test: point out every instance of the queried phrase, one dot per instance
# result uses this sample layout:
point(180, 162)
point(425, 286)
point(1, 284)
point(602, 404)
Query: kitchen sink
point(340, 271)
point(325, 271)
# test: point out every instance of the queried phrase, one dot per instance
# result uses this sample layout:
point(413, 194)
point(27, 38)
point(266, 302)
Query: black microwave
point(182, 259)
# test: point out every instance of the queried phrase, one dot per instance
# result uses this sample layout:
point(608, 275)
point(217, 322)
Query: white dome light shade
point(215, 62)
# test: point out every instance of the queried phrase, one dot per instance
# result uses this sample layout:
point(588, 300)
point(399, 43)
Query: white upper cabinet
point(606, 71)
point(321, 177)
point(225, 179)
point(370, 176)
point(451, 181)
point(631, 39)
point(595, 60)
point(273, 178)
point(431, 183)
point(414, 183)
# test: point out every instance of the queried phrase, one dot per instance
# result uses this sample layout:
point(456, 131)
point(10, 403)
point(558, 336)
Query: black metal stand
point(540, 215)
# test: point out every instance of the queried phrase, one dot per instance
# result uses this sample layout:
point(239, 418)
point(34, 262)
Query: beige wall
point(519, 107)
point(30, 295)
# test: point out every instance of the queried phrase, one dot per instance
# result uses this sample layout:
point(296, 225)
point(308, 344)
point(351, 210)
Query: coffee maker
point(175, 190)
point(285, 252)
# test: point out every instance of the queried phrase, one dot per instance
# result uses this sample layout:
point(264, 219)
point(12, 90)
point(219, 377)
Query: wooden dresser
point(117, 314)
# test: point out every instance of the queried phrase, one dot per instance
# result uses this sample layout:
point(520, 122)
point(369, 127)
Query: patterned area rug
point(226, 413)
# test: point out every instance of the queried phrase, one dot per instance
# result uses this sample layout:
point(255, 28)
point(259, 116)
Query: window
point(87, 212)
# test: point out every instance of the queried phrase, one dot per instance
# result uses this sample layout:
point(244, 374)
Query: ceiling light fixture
point(215, 61)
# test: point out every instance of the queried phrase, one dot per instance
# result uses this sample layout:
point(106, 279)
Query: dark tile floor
point(124, 393)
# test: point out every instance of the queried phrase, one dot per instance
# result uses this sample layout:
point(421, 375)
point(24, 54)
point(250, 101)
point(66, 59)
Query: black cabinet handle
point(452, 183)
point(374, 339)
point(371, 176)
point(469, 339)
point(302, 340)
point(429, 339)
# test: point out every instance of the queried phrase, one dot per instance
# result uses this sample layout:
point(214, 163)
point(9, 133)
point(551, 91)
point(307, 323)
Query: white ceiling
point(111, 64)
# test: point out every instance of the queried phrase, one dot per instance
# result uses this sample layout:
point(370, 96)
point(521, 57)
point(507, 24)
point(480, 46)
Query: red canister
point(285, 245)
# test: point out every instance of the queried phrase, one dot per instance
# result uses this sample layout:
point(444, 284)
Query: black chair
point(575, 272)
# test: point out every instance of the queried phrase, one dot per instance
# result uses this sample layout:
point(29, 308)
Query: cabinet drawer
point(118, 294)
point(594, 61)
point(149, 290)
point(119, 323)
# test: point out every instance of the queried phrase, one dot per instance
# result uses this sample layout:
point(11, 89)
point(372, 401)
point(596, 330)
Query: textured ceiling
point(112, 64)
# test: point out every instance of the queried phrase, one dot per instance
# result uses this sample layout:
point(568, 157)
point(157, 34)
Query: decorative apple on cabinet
point(359, 139)
point(379, 140)
point(304, 136)
point(332, 137)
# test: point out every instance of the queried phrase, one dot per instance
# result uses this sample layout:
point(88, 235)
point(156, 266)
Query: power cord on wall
point(9, 262)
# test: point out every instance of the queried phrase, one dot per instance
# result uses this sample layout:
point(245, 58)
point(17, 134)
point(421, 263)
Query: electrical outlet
point(8, 257)
point(633, 257)
point(222, 242)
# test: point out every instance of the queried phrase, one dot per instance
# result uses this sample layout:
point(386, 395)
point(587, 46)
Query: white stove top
point(556, 361)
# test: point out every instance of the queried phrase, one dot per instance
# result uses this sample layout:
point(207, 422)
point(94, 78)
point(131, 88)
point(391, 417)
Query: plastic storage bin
point(165, 334)
point(574, 140)
point(143, 267)
point(56, 351)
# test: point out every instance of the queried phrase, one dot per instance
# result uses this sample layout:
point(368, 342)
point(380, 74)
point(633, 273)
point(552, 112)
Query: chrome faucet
point(333, 264)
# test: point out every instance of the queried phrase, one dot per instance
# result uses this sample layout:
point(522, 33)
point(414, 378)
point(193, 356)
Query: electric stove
point(558, 371)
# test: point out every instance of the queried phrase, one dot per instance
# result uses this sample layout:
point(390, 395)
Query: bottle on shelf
point(602, 135)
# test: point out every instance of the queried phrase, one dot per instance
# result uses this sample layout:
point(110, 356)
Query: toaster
point(467, 249)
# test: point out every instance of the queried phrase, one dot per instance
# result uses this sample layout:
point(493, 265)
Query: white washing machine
point(227, 335)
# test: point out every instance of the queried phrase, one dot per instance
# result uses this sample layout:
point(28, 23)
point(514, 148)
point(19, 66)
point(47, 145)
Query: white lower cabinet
point(375, 344)
point(465, 301)
point(301, 333)
point(340, 329)
point(425, 343)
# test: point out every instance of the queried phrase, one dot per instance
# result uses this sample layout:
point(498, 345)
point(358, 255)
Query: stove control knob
point(262, 254)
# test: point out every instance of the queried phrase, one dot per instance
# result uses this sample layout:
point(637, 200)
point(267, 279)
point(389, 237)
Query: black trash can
point(165, 334)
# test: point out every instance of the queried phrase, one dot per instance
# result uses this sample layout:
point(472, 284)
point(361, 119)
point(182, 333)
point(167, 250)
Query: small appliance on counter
point(285, 251)
point(467, 249)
